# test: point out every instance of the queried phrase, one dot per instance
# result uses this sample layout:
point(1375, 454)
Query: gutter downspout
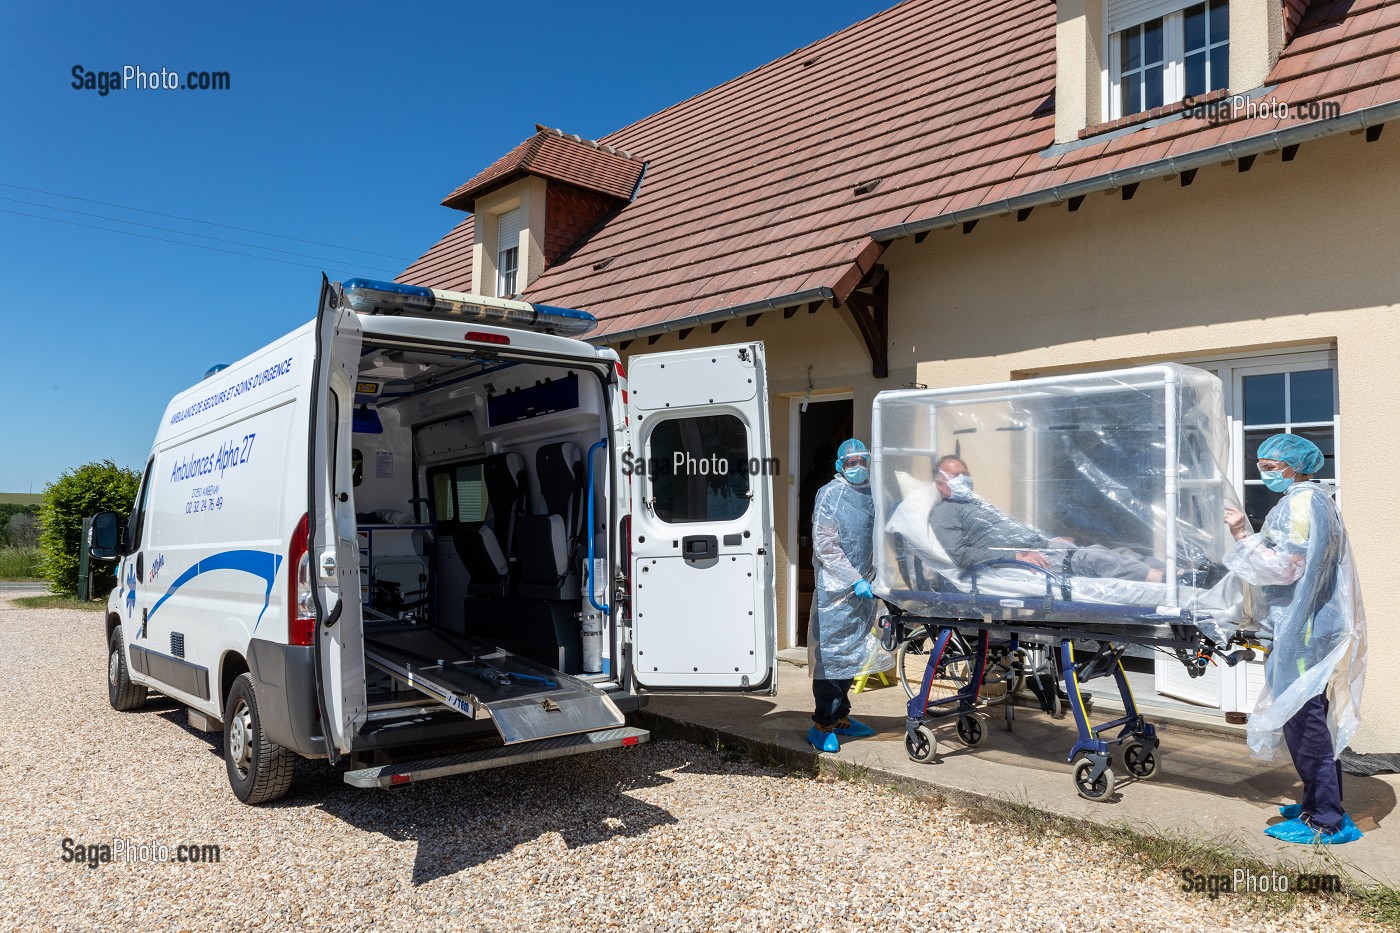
point(1353, 122)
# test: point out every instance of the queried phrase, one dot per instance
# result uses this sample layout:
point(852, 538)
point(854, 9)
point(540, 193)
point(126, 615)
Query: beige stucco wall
point(1256, 39)
point(1080, 53)
point(1299, 253)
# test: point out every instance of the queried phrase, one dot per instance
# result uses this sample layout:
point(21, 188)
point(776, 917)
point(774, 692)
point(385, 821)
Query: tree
point(76, 494)
point(22, 530)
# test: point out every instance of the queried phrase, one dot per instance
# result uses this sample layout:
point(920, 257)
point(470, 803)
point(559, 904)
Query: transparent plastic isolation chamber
point(1122, 471)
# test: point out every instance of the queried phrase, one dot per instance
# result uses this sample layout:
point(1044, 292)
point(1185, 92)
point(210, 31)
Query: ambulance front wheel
point(121, 692)
point(259, 770)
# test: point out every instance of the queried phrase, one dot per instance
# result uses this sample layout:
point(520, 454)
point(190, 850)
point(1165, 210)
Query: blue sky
point(344, 124)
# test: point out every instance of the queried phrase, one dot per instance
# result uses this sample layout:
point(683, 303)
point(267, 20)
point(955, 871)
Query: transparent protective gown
point(1310, 604)
point(841, 639)
point(1090, 494)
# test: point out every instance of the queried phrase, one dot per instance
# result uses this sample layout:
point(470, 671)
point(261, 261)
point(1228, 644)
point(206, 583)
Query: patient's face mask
point(1275, 480)
point(959, 487)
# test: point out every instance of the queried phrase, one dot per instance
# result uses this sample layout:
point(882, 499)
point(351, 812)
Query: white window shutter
point(509, 225)
point(1125, 13)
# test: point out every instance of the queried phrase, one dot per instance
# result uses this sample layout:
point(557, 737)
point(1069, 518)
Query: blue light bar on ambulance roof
point(368, 296)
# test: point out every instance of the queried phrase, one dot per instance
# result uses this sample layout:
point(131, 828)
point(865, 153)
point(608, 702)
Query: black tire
point(921, 744)
point(124, 695)
point(1102, 789)
point(259, 770)
point(1140, 760)
point(970, 731)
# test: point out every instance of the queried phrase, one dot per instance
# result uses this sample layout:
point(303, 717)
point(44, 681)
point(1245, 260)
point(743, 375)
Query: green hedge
point(76, 494)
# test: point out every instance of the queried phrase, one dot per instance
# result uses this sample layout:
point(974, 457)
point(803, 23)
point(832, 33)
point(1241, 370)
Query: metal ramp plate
point(530, 702)
point(563, 746)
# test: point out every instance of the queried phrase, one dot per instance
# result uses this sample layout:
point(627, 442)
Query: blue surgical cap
point(850, 447)
point(1298, 452)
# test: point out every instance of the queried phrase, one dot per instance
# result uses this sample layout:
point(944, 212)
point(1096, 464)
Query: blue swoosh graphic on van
point(261, 564)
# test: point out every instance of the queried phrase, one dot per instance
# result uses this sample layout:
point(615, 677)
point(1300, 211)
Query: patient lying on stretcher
point(972, 531)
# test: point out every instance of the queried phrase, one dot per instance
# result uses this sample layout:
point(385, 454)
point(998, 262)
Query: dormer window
point(508, 252)
point(538, 202)
point(1161, 52)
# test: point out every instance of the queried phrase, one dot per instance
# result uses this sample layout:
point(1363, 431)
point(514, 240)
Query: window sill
point(1155, 113)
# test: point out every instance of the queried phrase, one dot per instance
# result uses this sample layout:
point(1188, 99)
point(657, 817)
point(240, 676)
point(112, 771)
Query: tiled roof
point(552, 154)
point(754, 189)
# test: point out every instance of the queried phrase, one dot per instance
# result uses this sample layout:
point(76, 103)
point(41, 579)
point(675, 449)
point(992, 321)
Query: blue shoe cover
point(1297, 831)
point(856, 730)
point(1291, 811)
point(823, 741)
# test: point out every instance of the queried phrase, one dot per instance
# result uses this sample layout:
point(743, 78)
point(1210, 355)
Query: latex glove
point(863, 590)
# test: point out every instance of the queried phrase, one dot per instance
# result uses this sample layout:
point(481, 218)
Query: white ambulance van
point(430, 518)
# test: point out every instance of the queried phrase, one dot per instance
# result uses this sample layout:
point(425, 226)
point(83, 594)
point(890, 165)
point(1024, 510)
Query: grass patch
point(59, 602)
point(21, 498)
point(19, 563)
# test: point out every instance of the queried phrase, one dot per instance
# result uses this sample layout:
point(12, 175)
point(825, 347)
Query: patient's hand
point(1034, 557)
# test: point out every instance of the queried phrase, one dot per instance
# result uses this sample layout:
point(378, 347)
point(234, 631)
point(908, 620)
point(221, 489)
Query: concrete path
point(1208, 788)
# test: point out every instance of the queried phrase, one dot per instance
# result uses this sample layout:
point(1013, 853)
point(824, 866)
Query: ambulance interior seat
point(548, 543)
point(485, 547)
point(515, 592)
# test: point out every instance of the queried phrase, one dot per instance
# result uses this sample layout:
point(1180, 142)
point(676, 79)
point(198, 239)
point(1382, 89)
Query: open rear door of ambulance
point(334, 545)
point(701, 468)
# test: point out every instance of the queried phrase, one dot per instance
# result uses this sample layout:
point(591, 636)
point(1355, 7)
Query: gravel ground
point(668, 836)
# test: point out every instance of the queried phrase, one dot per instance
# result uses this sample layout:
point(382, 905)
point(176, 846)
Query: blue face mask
point(1275, 480)
point(857, 475)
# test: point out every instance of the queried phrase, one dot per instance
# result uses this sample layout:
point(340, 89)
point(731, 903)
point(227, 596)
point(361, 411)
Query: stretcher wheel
point(970, 730)
point(1140, 760)
point(921, 744)
point(1101, 789)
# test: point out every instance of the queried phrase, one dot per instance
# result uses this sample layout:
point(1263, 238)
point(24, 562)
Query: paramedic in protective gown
point(1301, 564)
point(841, 640)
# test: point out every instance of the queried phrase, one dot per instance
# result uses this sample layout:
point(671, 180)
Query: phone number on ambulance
point(204, 505)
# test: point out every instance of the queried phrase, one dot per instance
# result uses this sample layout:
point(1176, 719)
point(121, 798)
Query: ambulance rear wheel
point(259, 770)
point(121, 692)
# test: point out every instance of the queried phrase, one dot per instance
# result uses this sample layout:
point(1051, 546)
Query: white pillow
point(910, 521)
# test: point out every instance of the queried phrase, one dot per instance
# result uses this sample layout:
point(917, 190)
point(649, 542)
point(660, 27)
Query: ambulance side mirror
point(106, 536)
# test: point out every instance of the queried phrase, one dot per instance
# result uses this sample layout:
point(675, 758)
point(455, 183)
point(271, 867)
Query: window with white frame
point(1163, 50)
point(1293, 393)
point(507, 252)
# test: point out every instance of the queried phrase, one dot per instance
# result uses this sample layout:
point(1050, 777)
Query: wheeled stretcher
point(1132, 462)
point(1091, 753)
